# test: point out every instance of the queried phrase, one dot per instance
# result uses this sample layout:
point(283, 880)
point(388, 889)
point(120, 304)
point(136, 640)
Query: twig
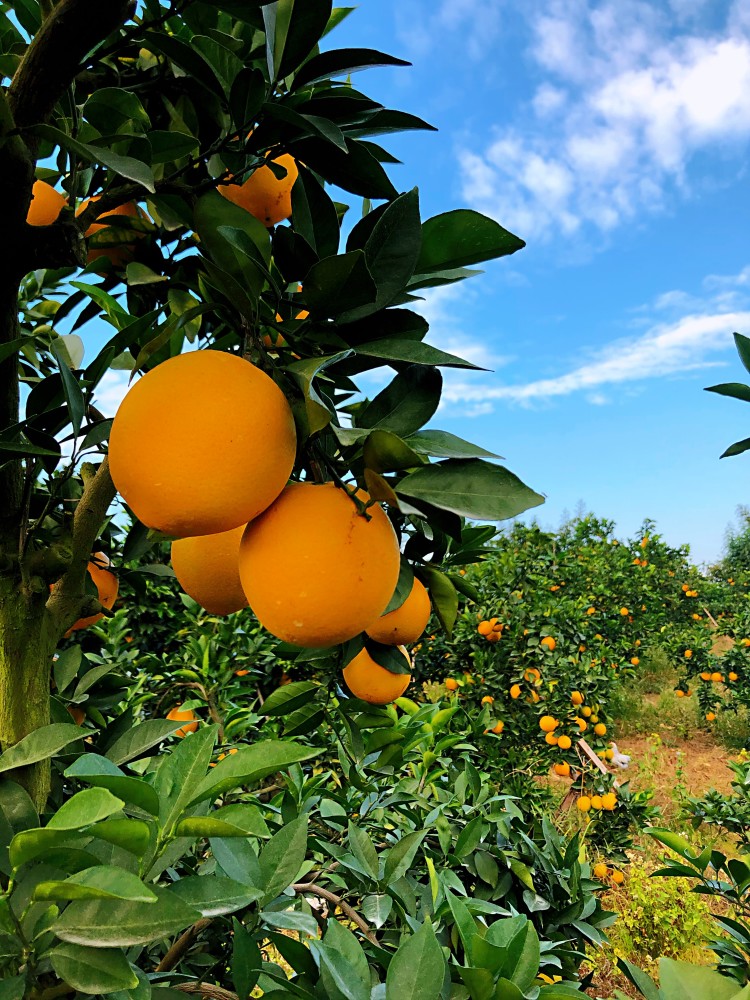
point(311, 889)
point(182, 945)
point(207, 990)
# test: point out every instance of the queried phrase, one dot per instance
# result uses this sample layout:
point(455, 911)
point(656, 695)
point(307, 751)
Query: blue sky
point(613, 137)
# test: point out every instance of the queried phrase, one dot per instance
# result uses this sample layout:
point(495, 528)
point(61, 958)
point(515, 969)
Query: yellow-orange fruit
point(733, 676)
point(498, 727)
point(583, 803)
point(202, 444)
point(488, 700)
point(576, 697)
point(618, 878)
point(548, 723)
point(186, 715)
point(404, 624)
point(600, 729)
point(107, 586)
point(367, 680)
point(121, 250)
point(451, 683)
point(484, 628)
point(601, 871)
point(563, 769)
point(263, 194)
point(710, 716)
point(551, 739)
point(515, 691)
point(315, 571)
point(596, 802)
point(609, 801)
point(564, 742)
point(46, 204)
point(716, 677)
point(207, 568)
point(549, 642)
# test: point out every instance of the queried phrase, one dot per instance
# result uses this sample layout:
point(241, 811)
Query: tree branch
point(311, 889)
point(57, 52)
point(68, 595)
point(182, 945)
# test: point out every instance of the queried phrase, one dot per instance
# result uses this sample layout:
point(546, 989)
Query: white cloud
point(625, 97)
point(111, 391)
point(696, 340)
point(471, 25)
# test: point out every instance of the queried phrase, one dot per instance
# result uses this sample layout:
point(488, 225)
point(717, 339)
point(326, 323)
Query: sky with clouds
point(613, 137)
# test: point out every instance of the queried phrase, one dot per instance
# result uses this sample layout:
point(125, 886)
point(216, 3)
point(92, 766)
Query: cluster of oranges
point(491, 629)
point(599, 803)
point(604, 873)
point(717, 678)
point(688, 592)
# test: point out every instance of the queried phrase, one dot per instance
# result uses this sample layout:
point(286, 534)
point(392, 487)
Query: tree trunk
point(26, 650)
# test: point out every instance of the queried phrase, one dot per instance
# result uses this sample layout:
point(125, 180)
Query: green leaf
point(683, 981)
point(441, 444)
point(84, 808)
point(213, 213)
point(412, 352)
point(403, 587)
point(66, 666)
point(339, 283)
point(249, 765)
point(166, 147)
point(181, 773)
point(207, 826)
point(30, 844)
point(107, 924)
point(344, 972)
point(40, 745)
point(92, 769)
point(385, 451)
point(737, 390)
point(93, 970)
point(131, 834)
point(125, 166)
point(406, 403)
point(736, 449)
point(470, 488)
point(289, 697)
point(13, 988)
point(342, 62)
point(443, 595)
point(674, 841)
point(224, 64)
point(464, 922)
point(109, 109)
point(363, 849)
point(377, 908)
point(399, 858)
point(137, 741)
point(282, 858)
point(214, 895)
point(246, 960)
point(99, 882)
point(742, 344)
point(314, 214)
point(71, 387)
point(461, 238)
point(417, 970)
point(317, 413)
point(306, 26)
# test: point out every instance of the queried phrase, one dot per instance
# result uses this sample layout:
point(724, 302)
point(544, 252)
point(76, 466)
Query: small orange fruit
point(515, 691)
point(705, 676)
point(609, 801)
point(624, 612)
point(601, 871)
point(733, 676)
point(565, 742)
point(716, 677)
point(688, 654)
point(241, 673)
point(109, 240)
point(186, 715)
point(562, 769)
point(635, 660)
point(498, 728)
point(551, 739)
point(107, 586)
point(263, 194)
point(586, 711)
point(680, 693)
point(488, 699)
point(596, 802)
point(406, 623)
point(548, 642)
point(576, 697)
point(207, 569)
point(484, 628)
point(710, 716)
point(377, 685)
point(548, 723)
point(600, 729)
point(582, 724)
point(46, 204)
point(583, 803)
point(228, 753)
point(451, 683)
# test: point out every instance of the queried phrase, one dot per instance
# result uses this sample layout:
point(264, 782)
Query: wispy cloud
point(695, 341)
point(469, 25)
point(626, 94)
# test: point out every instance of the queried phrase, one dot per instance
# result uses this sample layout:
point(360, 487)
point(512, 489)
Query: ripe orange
point(680, 693)
point(367, 680)
point(624, 611)
point(315, 571)
point(515, 691)
point(531, 674)
point(207, 569)
point(498, 727)
point(716, 677)
point(563, 769)
point(202, 444)
point(549, 642)
point(107, 586)
point(564, 743)
point(46, 204)
point(596, 802)
point(551, 739)
point(601, 871)
point(688, 654)
point(609, 801)
point(586, 711)
point(576, 697)
point(548, 723)
point(582, 724)
point(600, 729)
point(178, 714)
point(112, 243)
point(451, 683)
point(406, 623)
point(533, 698)
point(488, 700)
point(618, 878)
point(705, 676)
point(267, 197)
point(635, 660)
point(733, 676)
point(583, 803)
point(484, 628)
point(590, 611)
point(710, 716)
point(229, 753)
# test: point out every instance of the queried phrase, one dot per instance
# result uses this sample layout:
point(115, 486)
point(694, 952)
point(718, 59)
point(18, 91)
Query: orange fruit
point(601, 871)
point(609, 801)
point(586, 711)
point(112, 243)
point(582, 725)
point(315, 571)
point(451, 683)
point(515, 691)
point(407, 622)
point(733, 676)
point(688, 654)
point(564, 742)
point(635, 660)
point(583, 803)
point(705, 676)
point(202, 444)
point(618, 878)
point(498, 728)
point(624, 611)
point(267, 197)
point(207, 569)
point(228, 753)
point(488, 700)
point(548, 723)
point(716, 677)
point(241, 673)
point(549, 642)
point(46, 204)
point(179, 714)
point(576, 697)
point(484, 628)
point(563, 769)
point(710, 716)
point(531, 674)
point(590, 611)
point(680, 693)
point(600, 729)
point(533, 698)
point(596, 802)
point(107, 586)
point(367, 680)
point(551, 739)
